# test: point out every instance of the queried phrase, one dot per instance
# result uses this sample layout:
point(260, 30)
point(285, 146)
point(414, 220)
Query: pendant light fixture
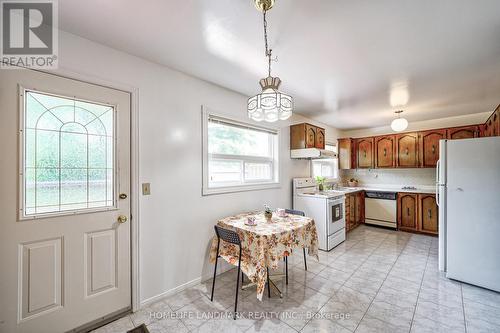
point(399, 124)
point(271, 104)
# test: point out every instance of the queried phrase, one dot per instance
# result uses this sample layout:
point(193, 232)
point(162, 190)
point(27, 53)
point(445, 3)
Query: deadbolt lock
point(122, 219)
point(123, 196)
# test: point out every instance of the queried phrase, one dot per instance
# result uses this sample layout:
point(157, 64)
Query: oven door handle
point(335, 201)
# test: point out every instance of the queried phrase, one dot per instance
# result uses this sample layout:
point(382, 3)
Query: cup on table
point(281, 212)
point(251, 220)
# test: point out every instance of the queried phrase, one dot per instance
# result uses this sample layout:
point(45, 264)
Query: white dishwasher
point(381, 209)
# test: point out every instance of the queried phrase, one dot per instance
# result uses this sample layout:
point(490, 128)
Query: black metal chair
point(233, 238)
point(301, 213)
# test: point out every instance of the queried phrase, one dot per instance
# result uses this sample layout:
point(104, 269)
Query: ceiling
point(340, 59)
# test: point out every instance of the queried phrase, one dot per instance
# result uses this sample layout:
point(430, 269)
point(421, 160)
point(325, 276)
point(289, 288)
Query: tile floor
point(377, 281)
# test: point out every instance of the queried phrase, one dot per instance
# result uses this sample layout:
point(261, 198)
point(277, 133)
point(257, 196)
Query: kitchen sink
point(348, 189)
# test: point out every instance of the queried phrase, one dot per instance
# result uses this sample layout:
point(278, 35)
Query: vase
point(268, 216)
point(320, 187)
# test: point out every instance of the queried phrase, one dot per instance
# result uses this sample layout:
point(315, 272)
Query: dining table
point(265, 243)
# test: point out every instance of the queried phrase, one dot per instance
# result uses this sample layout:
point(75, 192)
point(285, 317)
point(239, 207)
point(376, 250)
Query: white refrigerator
point(468, 196)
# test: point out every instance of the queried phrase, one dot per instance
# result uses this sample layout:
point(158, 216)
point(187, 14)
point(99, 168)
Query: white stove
point(327, 208)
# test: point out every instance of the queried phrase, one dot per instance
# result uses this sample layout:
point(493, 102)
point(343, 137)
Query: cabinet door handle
point(408, 211)
point(407, 151)
point(430, 213)
point(385, 151)
point(433, 149)
point(364, 152)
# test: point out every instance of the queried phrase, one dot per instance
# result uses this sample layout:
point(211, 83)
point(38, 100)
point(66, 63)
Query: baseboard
point(184, 286)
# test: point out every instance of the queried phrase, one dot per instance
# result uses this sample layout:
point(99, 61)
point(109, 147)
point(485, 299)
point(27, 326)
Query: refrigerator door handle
point(438, 182)
point(437, 195)
point(438, 166)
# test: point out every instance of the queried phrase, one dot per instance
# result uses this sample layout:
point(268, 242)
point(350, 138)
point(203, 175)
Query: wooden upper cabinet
point(486, 129)
point(320, 138)
point(385, 149)
point(306, 136)
point(427, 214)
point(364, 147)
point(347, 153)
point(407, 150)
point(407, 211)
point(465, 132)
point(298, 136)
point(310, 136)
point(495, 122)
point(492, 126)
point(429, 147)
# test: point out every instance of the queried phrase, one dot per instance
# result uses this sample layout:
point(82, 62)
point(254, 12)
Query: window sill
point(239, 188)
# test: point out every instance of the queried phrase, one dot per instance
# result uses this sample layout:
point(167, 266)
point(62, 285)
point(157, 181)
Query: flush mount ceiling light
point(271, 104)
point(399, 124)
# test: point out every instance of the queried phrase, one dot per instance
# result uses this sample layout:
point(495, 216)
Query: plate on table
point(251, 221)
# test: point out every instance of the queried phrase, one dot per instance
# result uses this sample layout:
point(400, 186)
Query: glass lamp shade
point(270, 106)
point(399, 124)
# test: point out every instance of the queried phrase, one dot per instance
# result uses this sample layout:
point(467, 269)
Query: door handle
point(123, 196)
point(122, 219)
point(433, 149)
point(385, 152)
point(430, 213)
point(408, 211)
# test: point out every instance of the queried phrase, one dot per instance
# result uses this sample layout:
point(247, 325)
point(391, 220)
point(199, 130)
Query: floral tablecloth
point(265, 244)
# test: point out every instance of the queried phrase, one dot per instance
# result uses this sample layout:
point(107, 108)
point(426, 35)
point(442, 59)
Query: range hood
point(312, 153)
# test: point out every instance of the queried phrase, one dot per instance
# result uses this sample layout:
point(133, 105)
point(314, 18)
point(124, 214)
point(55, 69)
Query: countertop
point(428, 189)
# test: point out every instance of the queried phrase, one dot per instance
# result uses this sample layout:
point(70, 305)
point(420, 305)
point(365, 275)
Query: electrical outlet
point(146, 188)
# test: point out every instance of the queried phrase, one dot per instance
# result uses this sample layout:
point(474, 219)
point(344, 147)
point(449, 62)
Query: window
point(327, 168)
point(68, 154)
point(238, 156)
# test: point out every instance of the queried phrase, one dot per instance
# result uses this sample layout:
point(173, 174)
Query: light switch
point(146, 188)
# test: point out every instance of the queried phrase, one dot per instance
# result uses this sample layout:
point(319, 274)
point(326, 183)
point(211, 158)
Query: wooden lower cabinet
point(360, 208)
point(407, 211)
point(427, 214)
point(418, 213)
point(354, 210)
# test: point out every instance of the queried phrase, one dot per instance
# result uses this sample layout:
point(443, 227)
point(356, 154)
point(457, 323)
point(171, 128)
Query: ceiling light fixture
point(271, 104)
point(399, 124)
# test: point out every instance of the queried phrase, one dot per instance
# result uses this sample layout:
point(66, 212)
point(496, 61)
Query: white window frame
point(328, 179)
point(22, 109)
point(248, 186)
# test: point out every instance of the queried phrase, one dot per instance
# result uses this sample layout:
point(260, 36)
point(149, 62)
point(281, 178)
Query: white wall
point(176, 221)
point(469, 119)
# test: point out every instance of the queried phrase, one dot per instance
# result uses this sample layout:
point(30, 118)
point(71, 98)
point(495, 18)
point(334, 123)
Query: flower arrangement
point(321, 182)
point(268, 213)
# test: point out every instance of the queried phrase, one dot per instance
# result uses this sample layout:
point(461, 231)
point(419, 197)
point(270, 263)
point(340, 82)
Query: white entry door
point(65, 202)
